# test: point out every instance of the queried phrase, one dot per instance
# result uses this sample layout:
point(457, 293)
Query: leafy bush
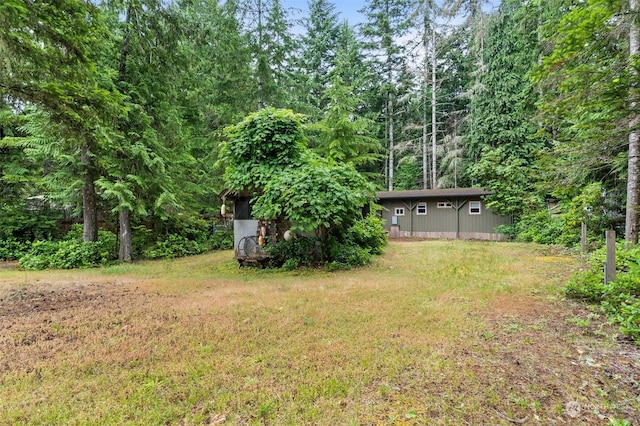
point(12, 249)
point(17, 221)
point(221, 240)
point(71, 252)
point(174, 245)
point(347, 254)
point(368, 233)
point(356, 247)
point(619, 299)
point(587, 286)
point(541, 227)
point(301, 251)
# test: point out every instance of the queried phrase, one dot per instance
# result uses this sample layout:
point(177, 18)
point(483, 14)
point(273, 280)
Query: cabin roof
point(432, 193)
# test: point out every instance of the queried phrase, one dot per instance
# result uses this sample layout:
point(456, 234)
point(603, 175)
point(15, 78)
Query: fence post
point(610, 263)
point(583, 238)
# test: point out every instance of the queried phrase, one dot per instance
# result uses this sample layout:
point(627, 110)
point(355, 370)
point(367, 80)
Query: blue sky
point(348, 9)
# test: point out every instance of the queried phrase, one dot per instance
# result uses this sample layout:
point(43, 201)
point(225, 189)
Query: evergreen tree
point(148, 142)
point(386, 22)
point(318, 49)
point(49, 50)
point(267, 27)
point(503, 137)
point(588, 105)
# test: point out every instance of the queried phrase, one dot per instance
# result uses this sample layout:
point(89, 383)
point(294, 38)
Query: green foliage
point(221, 240)
point(316, 196)
point(262, 144)
point(368, 233)
point(299, 251)
point(174, 245)
point(593, 206)
point(13, 249)
point(587, 286)
point(509, 177)
point(503, 141)
point(619, 299)
point(345, 136)
point(539, 227)
point(71, 252)
point(188, 242)
point(408, 175)
point(23, 224)
point(584, 109)
point(345, 254)
point(342, 250)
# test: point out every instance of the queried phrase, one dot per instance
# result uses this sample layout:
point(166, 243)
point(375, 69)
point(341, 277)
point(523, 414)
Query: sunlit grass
point(425, 335)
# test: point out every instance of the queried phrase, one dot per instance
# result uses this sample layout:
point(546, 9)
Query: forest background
point(114, 111)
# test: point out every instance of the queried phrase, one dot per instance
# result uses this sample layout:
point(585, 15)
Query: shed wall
point(445, 223)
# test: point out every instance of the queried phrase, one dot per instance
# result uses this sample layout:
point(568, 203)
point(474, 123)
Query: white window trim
point(399, 211)
point(479, 207)
point(418, 209)
point(445, 205)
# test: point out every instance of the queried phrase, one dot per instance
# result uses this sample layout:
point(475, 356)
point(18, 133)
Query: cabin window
point(422, 209)
point(444, 204)
point(475, 207)
point(399, 211)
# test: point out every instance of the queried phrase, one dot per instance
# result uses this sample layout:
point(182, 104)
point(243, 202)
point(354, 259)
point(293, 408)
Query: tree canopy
point(132, 115)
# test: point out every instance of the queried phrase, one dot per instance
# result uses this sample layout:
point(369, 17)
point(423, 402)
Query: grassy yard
point(435, 332)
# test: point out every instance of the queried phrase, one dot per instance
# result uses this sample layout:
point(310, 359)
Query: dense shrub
point(368, 233)
point(19, 226)
point(12, 249)
point(71, 252)
point(541, 227)
point(354, 247)
point(174, 245)
point(346, 254)
point(619, 299)
point(194, 242)
point(221, 240)
point(23, 224)
point(299, 251)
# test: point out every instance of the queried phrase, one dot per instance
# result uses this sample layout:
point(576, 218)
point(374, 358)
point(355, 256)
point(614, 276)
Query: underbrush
point(354, 247)
point(619, 299)
point(71, 252)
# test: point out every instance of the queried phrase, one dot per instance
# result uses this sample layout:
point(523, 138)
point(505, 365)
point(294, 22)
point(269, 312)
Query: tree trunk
point(89, 204)
point(633, 184)
point(126, 249)
point(425, 70)
point(391, 141)
point(434, 177)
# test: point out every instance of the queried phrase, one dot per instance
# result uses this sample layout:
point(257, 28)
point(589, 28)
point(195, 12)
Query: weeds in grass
point(197, 341)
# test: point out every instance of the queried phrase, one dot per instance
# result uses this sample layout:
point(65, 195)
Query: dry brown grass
point(434, 332)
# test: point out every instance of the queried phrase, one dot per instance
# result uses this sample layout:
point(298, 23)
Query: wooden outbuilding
point(453, 213)
point(250, 233)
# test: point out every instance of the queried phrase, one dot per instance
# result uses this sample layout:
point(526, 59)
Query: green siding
point(442, 220)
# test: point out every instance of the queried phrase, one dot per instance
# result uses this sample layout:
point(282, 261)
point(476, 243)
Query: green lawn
point(435, 332)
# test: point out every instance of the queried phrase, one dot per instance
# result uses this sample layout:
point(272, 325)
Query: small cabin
point(250, 233)
point(452, 213)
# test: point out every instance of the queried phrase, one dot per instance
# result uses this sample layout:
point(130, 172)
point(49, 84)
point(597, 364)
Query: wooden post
point(583, 238)
point(610, 264)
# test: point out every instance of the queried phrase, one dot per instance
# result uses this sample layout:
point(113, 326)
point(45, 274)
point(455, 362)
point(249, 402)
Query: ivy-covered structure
point(454, 213)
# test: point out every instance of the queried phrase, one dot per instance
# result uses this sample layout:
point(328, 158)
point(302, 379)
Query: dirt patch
point(24, 302)
point(561, 349)
point(517, 305)
point(521, 358)
point(8, 265)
